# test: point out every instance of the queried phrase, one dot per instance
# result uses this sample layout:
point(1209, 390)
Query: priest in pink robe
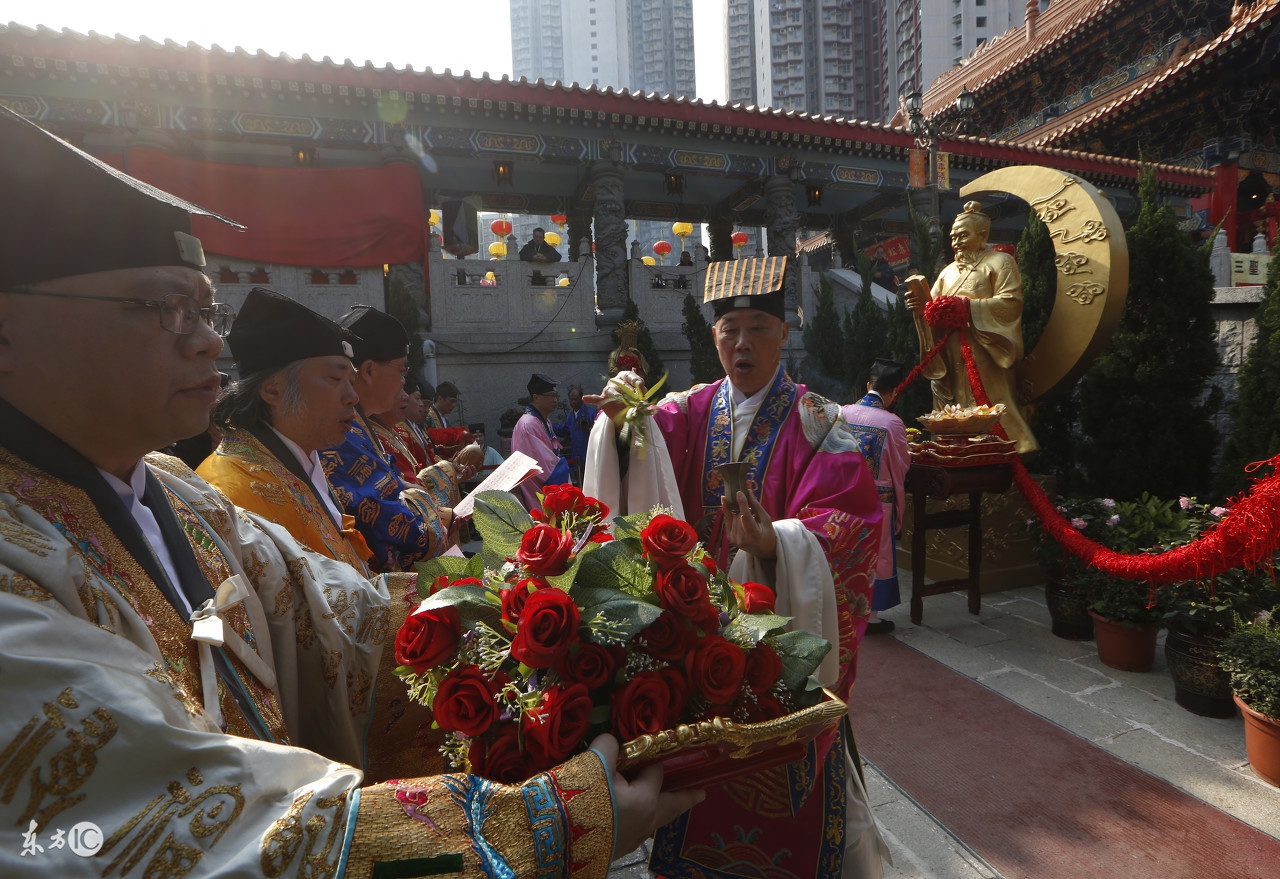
point(807, 525)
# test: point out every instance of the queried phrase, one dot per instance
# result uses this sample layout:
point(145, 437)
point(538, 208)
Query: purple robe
point(883, 439)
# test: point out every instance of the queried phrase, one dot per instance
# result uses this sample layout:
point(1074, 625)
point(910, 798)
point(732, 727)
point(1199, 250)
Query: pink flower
point(1185, 502)
point(1113, 521)
point(1219, 512)
point(1108, 504)
point(1079, 524)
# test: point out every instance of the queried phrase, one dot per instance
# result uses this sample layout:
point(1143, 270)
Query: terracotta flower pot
point(1199, 683)
point(1068, 610)
point(1125, 649)
point(1261, 743)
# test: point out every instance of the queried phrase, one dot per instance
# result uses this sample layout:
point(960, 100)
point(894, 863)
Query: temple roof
point(1067, 25)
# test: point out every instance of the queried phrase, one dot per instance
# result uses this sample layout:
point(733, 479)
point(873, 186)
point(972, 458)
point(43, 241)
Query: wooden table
point(927, 482)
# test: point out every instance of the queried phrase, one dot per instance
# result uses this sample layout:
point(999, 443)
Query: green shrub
point(1251, 655)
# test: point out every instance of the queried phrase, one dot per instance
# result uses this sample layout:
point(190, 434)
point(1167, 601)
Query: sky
point(459, 35)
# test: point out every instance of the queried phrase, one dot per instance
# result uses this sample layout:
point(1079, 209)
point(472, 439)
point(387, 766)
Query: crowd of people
point(216, 640)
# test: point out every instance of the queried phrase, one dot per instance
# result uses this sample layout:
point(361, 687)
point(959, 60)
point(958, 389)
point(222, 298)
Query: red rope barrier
point(1247, 536)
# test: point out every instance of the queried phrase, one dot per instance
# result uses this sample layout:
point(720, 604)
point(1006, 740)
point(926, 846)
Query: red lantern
point(739, 238)
point(559, 220)
point(501, 228)
point(661, 248)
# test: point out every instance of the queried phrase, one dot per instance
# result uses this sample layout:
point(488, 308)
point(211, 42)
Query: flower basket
point(713, 751)
point(563, 627)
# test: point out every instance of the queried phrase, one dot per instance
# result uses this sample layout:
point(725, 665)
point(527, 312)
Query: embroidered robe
point(103, 718)
point(400, 521)
point(882, 438)
point(806, 470)
point(533, 436)
point(258, 473)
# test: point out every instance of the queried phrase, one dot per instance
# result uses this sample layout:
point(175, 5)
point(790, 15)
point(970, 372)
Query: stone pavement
point(1010, 649)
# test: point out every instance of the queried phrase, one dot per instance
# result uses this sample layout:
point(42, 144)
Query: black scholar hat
point(66, 213)
point(382, 337)
point(747, 283)
point(271, 331)
point(541, 384)
point(447, 389)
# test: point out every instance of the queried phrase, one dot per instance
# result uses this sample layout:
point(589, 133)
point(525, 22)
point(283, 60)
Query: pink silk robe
point(531, 437)
point(883, 439)
point(805, 466)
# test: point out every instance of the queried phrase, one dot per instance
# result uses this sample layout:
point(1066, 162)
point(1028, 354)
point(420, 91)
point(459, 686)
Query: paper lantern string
point(1246, 536)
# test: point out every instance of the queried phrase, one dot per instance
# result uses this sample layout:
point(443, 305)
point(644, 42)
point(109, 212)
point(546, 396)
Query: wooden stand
point(927, 482)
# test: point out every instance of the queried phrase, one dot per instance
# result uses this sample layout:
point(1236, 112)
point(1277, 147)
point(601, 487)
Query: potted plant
point(1251, 655)
point(1127, 615)
point(1067, 603)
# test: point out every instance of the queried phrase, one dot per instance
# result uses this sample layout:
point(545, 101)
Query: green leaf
point(474, 604)
point(629, 526)
point(614, 566)
point(451, 566)
point(600, 714)
point(801, 653)
point(502, 522)
point(565, 581)
point(628, 614)
point(754, 626)
point(475, 566)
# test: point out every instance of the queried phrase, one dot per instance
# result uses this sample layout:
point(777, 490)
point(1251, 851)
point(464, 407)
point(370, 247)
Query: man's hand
point(608, 401)
point(915, 301)
point(641, 804)
point(751, 529)
point(468, 461)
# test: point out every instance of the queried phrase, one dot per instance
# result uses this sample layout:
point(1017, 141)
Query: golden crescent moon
point(1093, 272)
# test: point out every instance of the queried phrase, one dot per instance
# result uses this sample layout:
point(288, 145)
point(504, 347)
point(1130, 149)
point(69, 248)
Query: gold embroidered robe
point(103, 720)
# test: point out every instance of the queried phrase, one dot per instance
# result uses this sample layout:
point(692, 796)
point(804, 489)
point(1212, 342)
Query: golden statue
point(627, 356)
point(989, 279)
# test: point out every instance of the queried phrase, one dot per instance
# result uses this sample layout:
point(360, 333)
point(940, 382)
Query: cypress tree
point(865, 331)
point(704, 360)
point(401, 306)
point(823, 337)
point(1053, 420)
point(1146, 425)
point(1255, 414)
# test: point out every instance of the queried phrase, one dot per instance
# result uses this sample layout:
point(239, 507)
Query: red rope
point(1247, 536)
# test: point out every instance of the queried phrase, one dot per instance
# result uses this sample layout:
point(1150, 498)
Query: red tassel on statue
point(947, 313)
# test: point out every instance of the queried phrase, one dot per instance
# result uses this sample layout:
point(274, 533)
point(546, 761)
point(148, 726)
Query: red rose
point(597, 508)
point(709, 563)
point(682, 590)
point(468, 581)
point(513, 599)
point(441, 582)
point(716, 669)
point(764, 666)
point(591, 665)
point(600, 537)
point(557, 729)
point(428, 638)
point(766, 707)
point(642, 706)
point(707, 618)
point(538, 516)
point(545, 550)
point(560, 499)
point(465, 702)
point(757, 598)
point(667, 540)
point(679, 688)
point(499, 757)
point(548, 628)
point(668, 637)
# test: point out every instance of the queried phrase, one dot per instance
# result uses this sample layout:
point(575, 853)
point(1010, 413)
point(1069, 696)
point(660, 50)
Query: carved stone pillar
point(783, 221)
point(720, 232)
point(611, 243)
point(579, 230)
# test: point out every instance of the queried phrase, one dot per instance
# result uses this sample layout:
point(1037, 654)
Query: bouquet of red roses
point(562, 628)
point(448, 441)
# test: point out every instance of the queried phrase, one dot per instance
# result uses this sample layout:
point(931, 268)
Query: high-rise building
point(642, 45)
point(951, 29)
point(817, 56)
point(901, 70)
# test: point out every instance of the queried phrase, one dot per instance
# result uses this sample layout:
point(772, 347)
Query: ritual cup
point(733, 475)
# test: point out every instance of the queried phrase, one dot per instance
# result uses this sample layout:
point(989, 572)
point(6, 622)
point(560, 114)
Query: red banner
point(897, 251)
point(942, 173)
point(296, 216)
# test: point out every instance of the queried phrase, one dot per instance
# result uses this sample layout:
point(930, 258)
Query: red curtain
point(296, 216)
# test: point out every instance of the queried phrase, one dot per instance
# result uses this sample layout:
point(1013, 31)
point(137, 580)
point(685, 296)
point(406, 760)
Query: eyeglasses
point(179, 313)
